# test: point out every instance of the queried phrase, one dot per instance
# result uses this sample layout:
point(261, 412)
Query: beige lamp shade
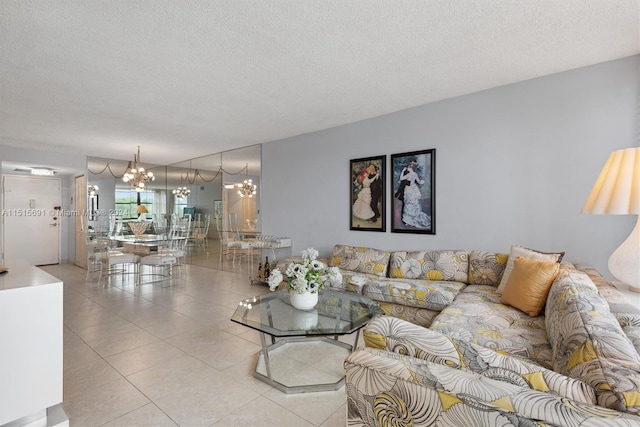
point(142, 209)
point(617, 189)
point(617, 192)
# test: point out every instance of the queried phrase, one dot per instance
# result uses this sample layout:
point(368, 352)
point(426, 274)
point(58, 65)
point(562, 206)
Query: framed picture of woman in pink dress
point(413, 205)
point(367, 196)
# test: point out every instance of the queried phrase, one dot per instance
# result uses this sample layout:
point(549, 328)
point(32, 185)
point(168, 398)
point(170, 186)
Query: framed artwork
point(217, 208)
point(367, 203)
point(189, 211)
point(413, 182)
point(93, 207)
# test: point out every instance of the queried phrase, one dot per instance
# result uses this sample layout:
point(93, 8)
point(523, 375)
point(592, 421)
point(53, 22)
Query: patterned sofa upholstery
point(415, 285)
point(577, 363)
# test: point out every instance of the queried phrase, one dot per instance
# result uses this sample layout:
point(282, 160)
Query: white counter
point(31, 355)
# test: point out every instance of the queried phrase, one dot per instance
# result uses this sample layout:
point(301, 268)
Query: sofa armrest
point(399, 336)
point(385, 388)
point(402, 337)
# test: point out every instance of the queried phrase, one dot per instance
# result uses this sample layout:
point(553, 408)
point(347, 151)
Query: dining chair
point(228, 242)
point(97, 251)
point(201, 231)
point(162, 261)
point(239, 243)
point(177, 239)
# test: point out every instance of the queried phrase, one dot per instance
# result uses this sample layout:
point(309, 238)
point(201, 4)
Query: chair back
point(224, 233)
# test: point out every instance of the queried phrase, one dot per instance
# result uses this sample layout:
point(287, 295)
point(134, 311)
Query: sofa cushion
point(431, 294)
point(430, 265)
point(529, 284)
point(589, 344)
point(519, 251)
point(486, 268)
point(416, 315)
point(477, 315)
point(360, 259)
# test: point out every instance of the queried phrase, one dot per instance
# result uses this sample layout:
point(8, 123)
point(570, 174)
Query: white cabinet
point(31, 345)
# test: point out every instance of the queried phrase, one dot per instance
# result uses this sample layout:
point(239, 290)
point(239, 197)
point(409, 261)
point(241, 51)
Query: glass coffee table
point(305, 354)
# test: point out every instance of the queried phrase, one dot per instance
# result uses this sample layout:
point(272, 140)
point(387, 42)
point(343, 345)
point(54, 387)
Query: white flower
point(313, 287)
point(334, 275)
point(274, 279)
point(308, 276)
point(317, 265)
point(293, 269)
point(309, 254)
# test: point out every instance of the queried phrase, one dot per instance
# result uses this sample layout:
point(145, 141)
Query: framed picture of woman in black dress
point(413, 208)
point(367, 196)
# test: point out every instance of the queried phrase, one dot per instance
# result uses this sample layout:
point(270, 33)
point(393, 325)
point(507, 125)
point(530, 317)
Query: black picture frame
point(417, 212)
point(368, 211)
point(93, 207)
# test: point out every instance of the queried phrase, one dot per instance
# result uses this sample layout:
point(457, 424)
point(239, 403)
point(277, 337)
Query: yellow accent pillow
point(529, 284)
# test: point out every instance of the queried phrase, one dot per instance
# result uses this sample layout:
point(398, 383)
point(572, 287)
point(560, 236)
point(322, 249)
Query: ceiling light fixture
point(181, 192)
point(42, 171)
point(247, 188)
point(137, 175)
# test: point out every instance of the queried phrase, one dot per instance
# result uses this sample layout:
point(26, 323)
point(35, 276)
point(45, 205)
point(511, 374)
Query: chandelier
point(91, 190)
point(181, 192)
point(247, 188)
point(137, 175)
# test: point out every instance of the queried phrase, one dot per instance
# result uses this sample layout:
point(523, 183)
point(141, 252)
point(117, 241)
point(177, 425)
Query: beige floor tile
point(144, 357)
point(147, 416)
point(262, 413)
point(88, 375)
point(206, 401)
point(100, 405)
point(178, 375)
point(243, 373)
point(195, 342)
point(224, 354)
point(167, 353)
point(338, 419)
point(313, 407)
point(122, 341)
point(79, 355)
point(204, 311)
point(71, 339)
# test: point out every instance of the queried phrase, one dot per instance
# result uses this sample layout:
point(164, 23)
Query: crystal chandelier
point(91, 190)
point(247, 188)
point(137, 175)
point(181, 192)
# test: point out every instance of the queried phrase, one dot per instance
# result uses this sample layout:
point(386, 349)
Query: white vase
point(304, 319)
point(305, 301)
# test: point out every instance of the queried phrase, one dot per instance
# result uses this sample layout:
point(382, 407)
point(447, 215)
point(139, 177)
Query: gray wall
point(513, 165)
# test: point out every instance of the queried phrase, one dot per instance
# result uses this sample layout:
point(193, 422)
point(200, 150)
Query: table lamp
point(142, 209)
point(617, 192)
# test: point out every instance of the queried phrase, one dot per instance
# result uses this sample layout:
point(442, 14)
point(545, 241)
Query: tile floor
point(166, 354)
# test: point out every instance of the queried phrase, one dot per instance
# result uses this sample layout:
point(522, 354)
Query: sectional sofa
point(462, 343)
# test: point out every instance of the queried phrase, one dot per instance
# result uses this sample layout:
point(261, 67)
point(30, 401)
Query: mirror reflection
point(215, 193)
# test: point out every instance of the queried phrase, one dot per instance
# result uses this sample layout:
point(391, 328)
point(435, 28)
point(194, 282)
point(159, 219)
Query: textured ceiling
point(186, 78)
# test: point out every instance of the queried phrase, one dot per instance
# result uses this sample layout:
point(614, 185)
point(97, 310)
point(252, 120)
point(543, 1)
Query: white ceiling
point(186, 78)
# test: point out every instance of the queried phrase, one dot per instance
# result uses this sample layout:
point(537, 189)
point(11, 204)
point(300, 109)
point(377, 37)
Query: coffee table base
point(306, 388)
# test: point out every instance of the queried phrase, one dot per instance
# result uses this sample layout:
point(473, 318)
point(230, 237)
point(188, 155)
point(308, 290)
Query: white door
point(30, 219)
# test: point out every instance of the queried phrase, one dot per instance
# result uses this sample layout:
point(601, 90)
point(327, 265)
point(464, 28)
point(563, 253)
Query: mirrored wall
point(204, 188)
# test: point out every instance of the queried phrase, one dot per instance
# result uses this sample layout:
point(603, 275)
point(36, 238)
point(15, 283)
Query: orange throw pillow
point(529, 284)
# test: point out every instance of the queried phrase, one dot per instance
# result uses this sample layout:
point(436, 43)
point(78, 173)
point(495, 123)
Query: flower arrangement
point(308, 276)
